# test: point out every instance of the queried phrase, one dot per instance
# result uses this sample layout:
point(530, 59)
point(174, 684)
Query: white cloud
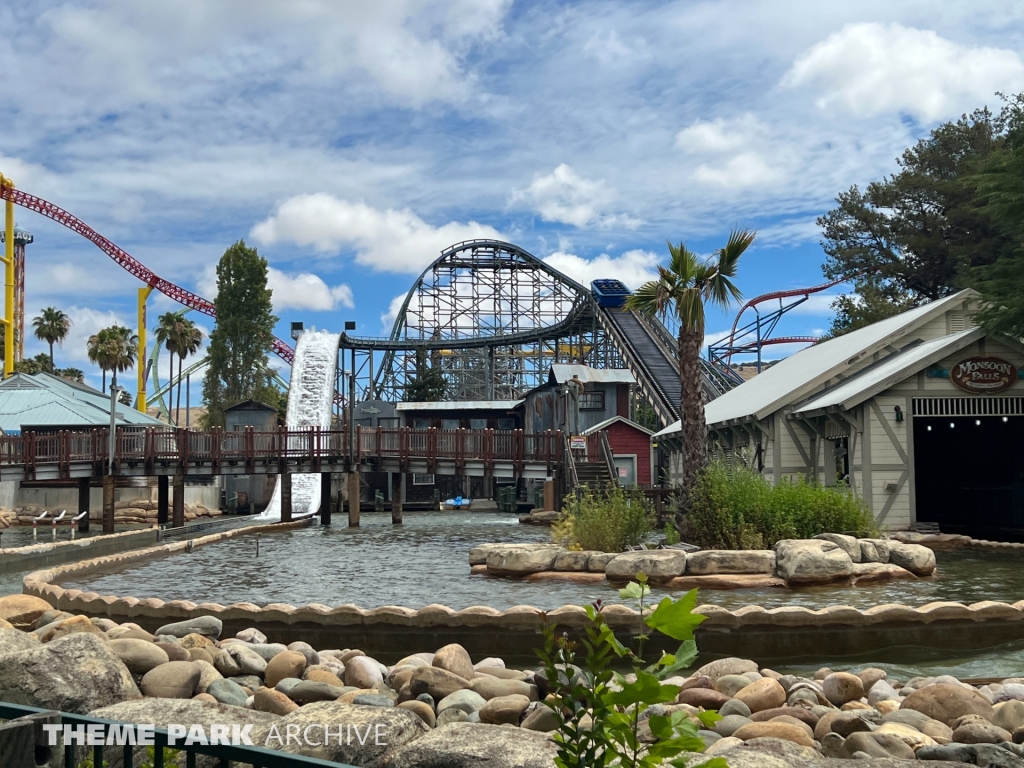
point(870, 68)
point(85, 322)
point(303, 290)
point(387, 319)
point(817, 305)
point(720, 135)
point(565, 197)
point(388, 240)
point(632, 267)
point(734, 151)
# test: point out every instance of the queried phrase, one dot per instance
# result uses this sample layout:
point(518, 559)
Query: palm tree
point(96, 350)
point(682, 289)
point(51, 326)
point(113, 349)
point(168, 332)
point(189, 341)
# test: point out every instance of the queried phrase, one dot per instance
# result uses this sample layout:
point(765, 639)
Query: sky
point(350, 142)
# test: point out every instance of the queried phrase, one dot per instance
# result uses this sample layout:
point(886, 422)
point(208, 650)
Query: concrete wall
point(58, 553)
point(12, 496)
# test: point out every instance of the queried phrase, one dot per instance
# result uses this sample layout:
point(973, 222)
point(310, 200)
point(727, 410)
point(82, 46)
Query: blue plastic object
point(609, 293)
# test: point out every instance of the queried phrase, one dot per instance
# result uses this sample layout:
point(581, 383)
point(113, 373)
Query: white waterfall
point(310, 399)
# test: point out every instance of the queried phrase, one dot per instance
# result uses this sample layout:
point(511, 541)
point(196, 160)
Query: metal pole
point(188, 401)
point(8, 281)
point(141, 365)
point(112, 437)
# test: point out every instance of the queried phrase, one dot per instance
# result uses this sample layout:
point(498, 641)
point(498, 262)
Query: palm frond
point(729, 256)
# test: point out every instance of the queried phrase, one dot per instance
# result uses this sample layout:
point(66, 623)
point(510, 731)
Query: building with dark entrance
point(921, 414)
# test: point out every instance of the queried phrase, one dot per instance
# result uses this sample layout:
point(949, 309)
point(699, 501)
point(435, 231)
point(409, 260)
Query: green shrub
point(740, 509)
point(609, 521)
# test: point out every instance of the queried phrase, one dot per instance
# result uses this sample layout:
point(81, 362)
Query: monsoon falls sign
point(983, 375)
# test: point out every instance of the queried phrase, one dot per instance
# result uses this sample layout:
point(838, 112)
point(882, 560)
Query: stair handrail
point(715, 379)
point(607, 456)
point(570, 465)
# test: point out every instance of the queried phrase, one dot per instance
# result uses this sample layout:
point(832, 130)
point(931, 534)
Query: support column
point(396, 498)
point(286, 497)
point(83, 503)
point(353, 499)
point(325, 498)
point(178, 502)
point(108, 503)
point(163, 483)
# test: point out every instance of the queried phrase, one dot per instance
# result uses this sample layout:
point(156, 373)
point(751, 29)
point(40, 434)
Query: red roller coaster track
point(124, 259)
point(782, 295)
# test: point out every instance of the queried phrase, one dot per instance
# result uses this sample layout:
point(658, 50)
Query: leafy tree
point(243, 336)
point(428, 386)
point(682, 289)
point(168, 333)
point(52, 326)
point(114, 349)
point(918, 234)
point(189, 341)
point(74, 374)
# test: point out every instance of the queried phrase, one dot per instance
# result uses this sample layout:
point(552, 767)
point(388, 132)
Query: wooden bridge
point(174, 454)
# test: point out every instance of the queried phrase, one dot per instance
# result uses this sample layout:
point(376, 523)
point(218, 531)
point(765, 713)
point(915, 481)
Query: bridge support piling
point(286, 497)
point(178, 502)
point(396, 498)
point(108, 503)
point(325, 498)
point(162, 496)
point(83, 503)
point(353, 499)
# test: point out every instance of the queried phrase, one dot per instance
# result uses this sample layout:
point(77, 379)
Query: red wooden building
point(631, 447)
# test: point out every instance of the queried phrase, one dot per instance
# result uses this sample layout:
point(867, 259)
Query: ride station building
point(922, 414)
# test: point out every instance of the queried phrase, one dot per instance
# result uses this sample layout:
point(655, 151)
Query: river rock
point(473, 745)
point(799, 713)
point(734, 707)
point(367, 733)
point(207, 626)
point(466, 700)
point(129, 631)
point(321, 674)
point(504, 710)
point(422, 710)
point(658, 564)
point(451, 715)
point(730, 685)
point(986, 755)
point(138, 655)
point(713, 561)
point(917, 559)
point(248, 661)
point(275, 702)
point(493, 687)
point(730, 724)
point(22, 611)
point(173, 680)
point(874, 550)
point(543, 718)
point(455, 659)
point(207, 674)
point(910, 736)
point(572, 561)
point(521, 559)
point(76, 673)
point(708, 698)
point(1009, 716)
point(14, 640)
point(227, 692)
point(730, 665)
point(879, 745)
point(437, 682)
point(74, 625)
point(980, 733)
point(223, 661)
point(174, 652)
point(307, 692)
point(849, 544)
point(947, 703)
point(251, 635)
point(940, 732)
point(777, 730)
point(841, 687)
point(364, 672)
point(284, 664)
point(762, 694)
point(811, 561)
point(266, 651)
point(599, 561)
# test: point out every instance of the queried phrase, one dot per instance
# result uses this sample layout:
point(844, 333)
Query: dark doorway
point(970, 475)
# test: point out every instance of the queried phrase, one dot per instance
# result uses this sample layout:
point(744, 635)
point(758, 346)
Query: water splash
point(310, 398)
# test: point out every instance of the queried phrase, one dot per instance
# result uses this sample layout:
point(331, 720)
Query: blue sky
point(351, 141)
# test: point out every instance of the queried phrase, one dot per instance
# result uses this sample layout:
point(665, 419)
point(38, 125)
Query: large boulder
point(762, 694)
point(731, 665)
point(455, 659)
point(658, 564)
point(917, 559)
point(948, 703)
point(874, 550)
point(474, 745)
point(437, 682)
point(208, 626)
point(712, 561)
point(173, 680)
point(13, 640)
point(22, 611)
point(138, 655)
point(522, 559)
point(77, 673)
point(811, 561)
point(850, 544)
point(349, 734)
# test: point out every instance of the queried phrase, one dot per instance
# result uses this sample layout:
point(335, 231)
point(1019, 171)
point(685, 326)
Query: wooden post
point(286, 497)
point(325, 498)
point(396, 498)
point(353, 499)
point(83, 503)
point(178, 502)
point(108, 503)
point(163, 483)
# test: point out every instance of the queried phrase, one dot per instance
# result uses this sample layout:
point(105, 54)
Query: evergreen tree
point(428, 385)
point(243, 336)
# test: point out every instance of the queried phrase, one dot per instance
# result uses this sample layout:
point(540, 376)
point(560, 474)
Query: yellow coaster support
point(8, 261)
point(141, 361)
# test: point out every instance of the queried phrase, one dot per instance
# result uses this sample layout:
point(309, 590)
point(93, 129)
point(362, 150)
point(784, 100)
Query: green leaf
point(646, 690)
point(634, 591)
point(708, 718)
point(676, 618)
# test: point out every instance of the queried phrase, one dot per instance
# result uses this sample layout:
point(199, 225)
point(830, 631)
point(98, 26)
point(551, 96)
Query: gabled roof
point(885, 373)
point(563, 372)
point(608, 422)
point(799, 375)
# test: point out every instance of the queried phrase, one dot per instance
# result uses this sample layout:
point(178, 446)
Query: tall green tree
point(682, 289)
point(113, 349)
point(916, 235)
point(243, 336)
point(51, 326)
point(428, 385)
point(168, 333)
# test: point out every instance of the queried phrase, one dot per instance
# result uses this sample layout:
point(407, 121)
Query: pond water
point(424, 561)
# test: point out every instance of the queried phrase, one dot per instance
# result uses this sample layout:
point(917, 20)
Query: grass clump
point(740, 509)
point(606, 521)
